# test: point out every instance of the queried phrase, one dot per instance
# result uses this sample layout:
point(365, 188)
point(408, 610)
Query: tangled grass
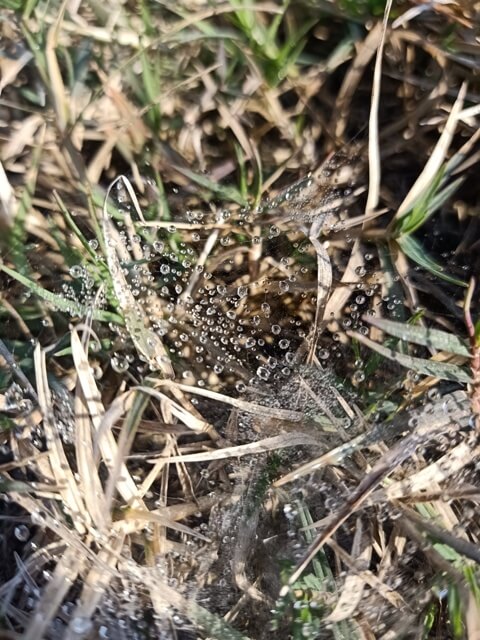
point(201, 436)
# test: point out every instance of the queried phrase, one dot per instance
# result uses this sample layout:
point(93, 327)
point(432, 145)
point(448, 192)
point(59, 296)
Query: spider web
point(231, 291)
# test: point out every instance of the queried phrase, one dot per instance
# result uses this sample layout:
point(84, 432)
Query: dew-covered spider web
point(231, 291)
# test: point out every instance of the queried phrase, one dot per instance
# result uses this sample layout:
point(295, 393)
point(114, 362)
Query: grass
point(194, 434)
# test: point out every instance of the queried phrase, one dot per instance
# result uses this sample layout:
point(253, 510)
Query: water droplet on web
point(361, 271)
point(276, 329)
point(21, 532)
point(263, 373)
point(242, 291)
point(358, 377)
point(119, 363)
point(76, 271)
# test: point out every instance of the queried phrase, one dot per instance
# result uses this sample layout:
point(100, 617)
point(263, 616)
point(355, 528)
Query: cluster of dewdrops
point(207, 321)
point(213, 319)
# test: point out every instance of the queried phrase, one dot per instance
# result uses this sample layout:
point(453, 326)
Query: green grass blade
point(71, 307)
point(227, 193)
point(73, 225)
point(455, 612)
point(424, 336)
point(442, 370)
point(413, 249)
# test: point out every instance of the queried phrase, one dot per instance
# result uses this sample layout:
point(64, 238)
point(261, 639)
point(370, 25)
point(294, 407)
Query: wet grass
point(195, 434)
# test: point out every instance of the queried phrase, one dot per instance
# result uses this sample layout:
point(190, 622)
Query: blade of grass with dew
point(71, 307)
point(442, 370)
point(146, 341)
point(421, 335)
point(413, 249)
point(8, 486)
point(100, 273)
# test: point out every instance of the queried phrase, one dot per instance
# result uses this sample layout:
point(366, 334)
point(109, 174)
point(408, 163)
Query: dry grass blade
point(94, 587)
point(367, 577)
point(449, 464)
point(139, 516)
point(253, 448)
point(373, 140)
point(331, 457)
point(107, 445)
point(226, 257)
point(63, 475)
point(354, 585)
point(365, 52)
point(238, 403)
point(66, 571)
point(89, 480)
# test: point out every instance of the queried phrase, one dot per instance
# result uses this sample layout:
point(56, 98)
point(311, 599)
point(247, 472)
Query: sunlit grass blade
point(442, 370)
point(436, 159)
point(421, 335)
